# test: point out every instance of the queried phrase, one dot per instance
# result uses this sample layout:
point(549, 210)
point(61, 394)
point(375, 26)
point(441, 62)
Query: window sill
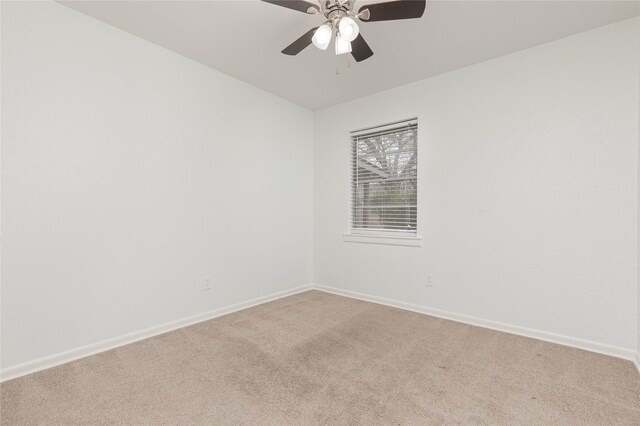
point(390, 240)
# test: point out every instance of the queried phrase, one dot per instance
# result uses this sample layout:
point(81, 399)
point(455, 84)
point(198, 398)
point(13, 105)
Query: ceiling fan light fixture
point(341, 16)
point(322, 37)
point(348, 29)
point(342, 45)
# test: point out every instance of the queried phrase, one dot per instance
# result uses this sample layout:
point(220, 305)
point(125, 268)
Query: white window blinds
point(384, 177)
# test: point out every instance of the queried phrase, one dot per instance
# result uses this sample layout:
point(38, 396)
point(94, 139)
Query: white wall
point(528, 191)
point(130, 173)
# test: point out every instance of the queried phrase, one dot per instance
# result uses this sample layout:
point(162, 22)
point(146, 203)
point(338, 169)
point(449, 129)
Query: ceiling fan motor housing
point(335, 10)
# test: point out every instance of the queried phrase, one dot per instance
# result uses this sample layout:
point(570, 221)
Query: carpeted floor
point(316, 358)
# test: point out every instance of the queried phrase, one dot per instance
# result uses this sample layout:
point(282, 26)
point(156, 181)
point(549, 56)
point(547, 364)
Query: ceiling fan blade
point(299, 5)
point(299, 45)
point(360, 50)
point(389, 11)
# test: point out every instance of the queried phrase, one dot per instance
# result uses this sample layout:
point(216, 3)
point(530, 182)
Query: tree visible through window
point(384, 179)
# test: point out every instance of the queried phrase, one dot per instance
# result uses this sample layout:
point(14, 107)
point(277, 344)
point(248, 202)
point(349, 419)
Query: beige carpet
point(316, 358)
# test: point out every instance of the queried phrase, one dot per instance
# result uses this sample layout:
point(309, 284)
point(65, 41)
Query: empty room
point(320, 212)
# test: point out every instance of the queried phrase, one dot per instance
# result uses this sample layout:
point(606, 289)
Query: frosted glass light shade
point(349, 30)
point(322, 37)
point(342, 45)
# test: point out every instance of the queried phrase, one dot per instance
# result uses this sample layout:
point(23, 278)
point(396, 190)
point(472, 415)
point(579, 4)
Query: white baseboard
point(628, 354)
point(105, 345)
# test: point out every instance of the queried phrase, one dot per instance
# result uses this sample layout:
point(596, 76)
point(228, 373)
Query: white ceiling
point(244, 39)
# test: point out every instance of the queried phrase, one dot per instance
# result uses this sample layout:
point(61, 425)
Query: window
point(384, 173)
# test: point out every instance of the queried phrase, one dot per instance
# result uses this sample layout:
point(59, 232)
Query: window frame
point(381, 236)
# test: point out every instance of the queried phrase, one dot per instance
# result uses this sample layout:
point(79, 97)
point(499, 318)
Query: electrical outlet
point(428, 281)
point(207, 283)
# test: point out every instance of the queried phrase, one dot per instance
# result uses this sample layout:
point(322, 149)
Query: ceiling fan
point(340, 19)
